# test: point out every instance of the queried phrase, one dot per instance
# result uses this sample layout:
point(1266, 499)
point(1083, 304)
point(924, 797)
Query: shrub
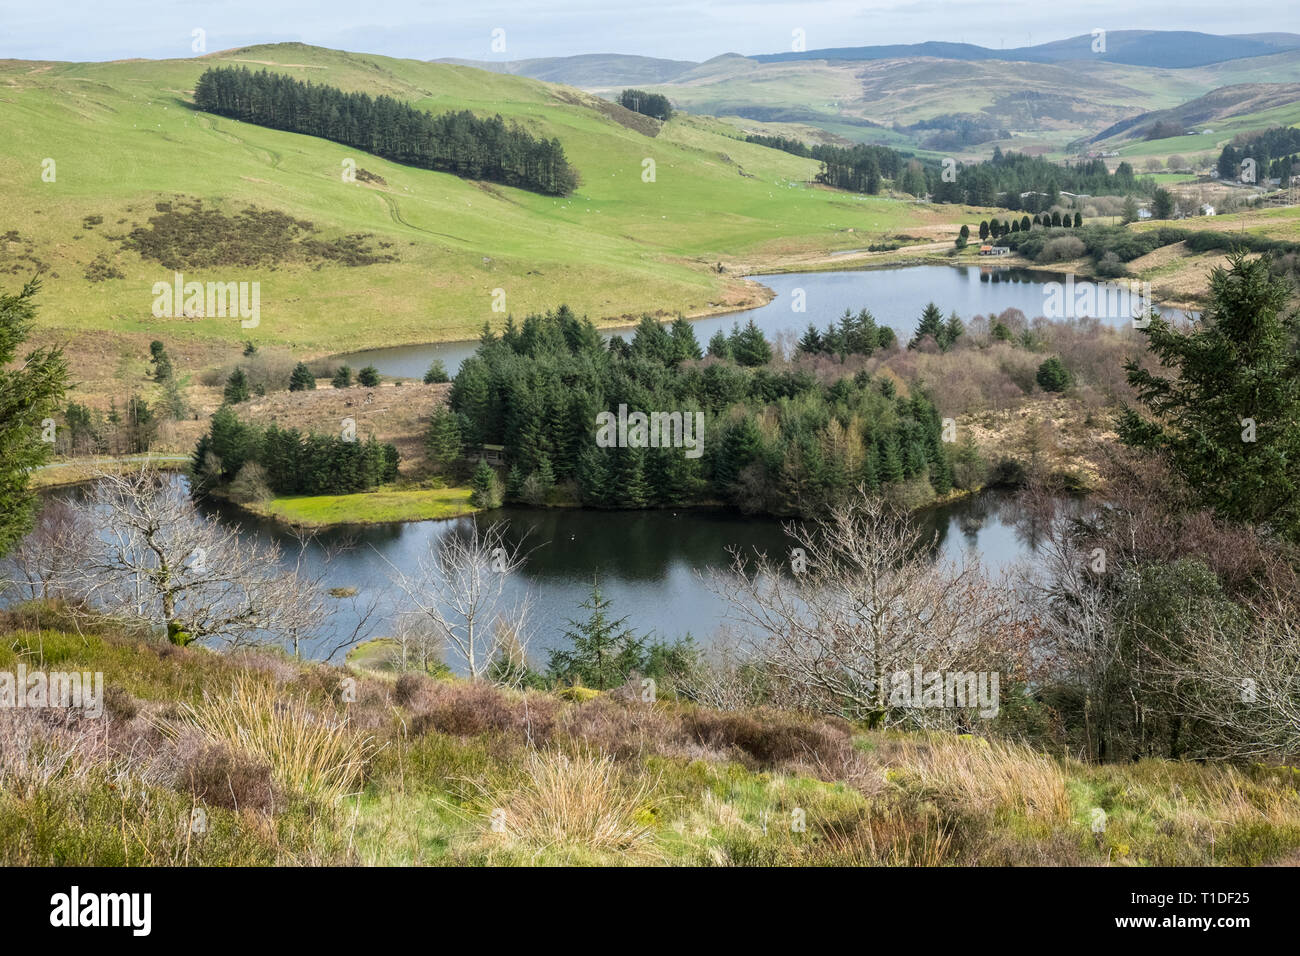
point(368, 376)
point(250, 484)
point(224, 777)
point(1061, 248)
point(1053, 376)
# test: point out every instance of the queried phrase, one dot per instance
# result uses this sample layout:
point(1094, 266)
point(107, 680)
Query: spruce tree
point(236, 390)
point(749, 346)
point(485, 487)
point(302, 380)
point(719, 347)
point(931, 324)
point(811, 342)
point(602, 651)
point(1228, 418)
point(30, 392)
point(685, 345)
point(443, 441)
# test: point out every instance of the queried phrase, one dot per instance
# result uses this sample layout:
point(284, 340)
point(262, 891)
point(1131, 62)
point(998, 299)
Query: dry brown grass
point(579, 801)
point(309, 751)
point(977, 775)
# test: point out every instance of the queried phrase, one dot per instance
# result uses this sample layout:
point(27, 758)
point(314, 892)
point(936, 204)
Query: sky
point(674, 29)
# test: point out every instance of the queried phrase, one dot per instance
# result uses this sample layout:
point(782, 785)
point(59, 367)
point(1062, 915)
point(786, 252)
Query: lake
point(895, 296)
point(648, 562)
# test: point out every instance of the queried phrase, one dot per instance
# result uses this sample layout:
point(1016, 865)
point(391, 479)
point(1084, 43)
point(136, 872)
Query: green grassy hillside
point(124, 137)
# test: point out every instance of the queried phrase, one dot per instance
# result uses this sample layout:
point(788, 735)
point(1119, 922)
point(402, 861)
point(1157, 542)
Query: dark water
point(894, 296)
point(649, 562)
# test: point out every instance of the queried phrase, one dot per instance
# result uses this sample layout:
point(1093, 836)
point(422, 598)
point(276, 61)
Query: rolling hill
point(929, 96)
point(1170, 49)
point(142, 181)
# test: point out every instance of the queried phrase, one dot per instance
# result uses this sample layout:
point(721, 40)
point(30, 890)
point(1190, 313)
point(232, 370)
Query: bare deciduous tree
point(1078, 642)
point(42, 564)
point(156, 557)
point(861, 599)
point(459, 587)
point(1242, 688)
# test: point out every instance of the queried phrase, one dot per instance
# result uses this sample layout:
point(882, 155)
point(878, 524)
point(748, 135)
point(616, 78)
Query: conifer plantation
point(457, 142)
point(538, 387)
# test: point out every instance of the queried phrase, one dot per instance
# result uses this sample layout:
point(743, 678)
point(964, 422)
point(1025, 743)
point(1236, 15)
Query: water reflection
point(649, 562)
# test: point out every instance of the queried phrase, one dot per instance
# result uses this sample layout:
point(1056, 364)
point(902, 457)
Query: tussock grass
point(578, 801)
point(981, 775)
point(309, 751)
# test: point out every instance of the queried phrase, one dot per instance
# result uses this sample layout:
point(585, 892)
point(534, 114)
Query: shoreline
point(849, 262)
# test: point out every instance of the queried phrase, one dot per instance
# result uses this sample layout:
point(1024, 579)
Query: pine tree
point(811, 342)
point(368, 377)
point(602, 652)
point(685, 345)
point(30, 393)
point(161, 361)
point(302, 380)
point(953, 329)
point(437, 373)
point(749, 346)
point(719, 347)
point(1053, 376)
point(236, 390)
point(931, 324)
point(443, 441)
point(1228, 418)
point(891, 459)
point(514, 483)
point(342, 377)
point(485, 487)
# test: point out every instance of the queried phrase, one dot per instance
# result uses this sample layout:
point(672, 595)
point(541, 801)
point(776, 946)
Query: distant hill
point(588, 70)
point(947, 98)
point(1170, 49)
point(1217, 106)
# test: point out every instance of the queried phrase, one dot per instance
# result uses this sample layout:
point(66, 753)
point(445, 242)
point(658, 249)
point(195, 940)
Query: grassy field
point(124, 137)
point(423, 771)
point(380, 506)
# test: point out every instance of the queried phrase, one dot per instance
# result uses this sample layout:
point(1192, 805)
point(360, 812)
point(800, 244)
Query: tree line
point(456, 142)
point(1010, 180)
point(776, 441)
point(1273, 150)
point(288, 461)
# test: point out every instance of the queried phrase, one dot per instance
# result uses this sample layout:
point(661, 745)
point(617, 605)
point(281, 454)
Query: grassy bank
point(380, 506)
point(417, 770)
